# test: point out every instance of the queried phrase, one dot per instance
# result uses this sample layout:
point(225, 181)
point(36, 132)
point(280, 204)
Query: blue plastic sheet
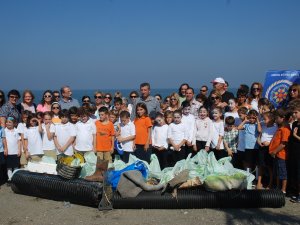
point(113, 176)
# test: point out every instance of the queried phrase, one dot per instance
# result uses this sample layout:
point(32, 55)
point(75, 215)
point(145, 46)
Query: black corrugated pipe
point(198, 198)
point(57, 188)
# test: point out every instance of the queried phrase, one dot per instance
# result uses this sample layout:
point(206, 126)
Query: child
point(169, 117)
point(114, 118)
point(177, 137)
point(238, 161)
point(85, 133)
point(21, 129)
point(143, 126)
point(48, 130)
point(204, 129)
point(33, 140)
point(159, 140)
point(264, 159)
point(231, 136)
point(64, 135)
point(12, 146)
point(189, 121)
point(127, 135)
point(218, 133)
point(294, 154)
point(232, 110)
point(104, 135)
point(118, 104)
point(73, 115)
point(252, 128)
point(2, 159)
point(278, 148)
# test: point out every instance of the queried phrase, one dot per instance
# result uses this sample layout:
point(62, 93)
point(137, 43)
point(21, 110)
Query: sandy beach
point(22, 210)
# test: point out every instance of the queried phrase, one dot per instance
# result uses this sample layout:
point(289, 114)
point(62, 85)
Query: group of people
point(243, 125)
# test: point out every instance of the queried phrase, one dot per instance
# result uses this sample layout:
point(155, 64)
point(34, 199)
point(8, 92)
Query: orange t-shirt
point(104, 132)
point(141, 129)
point(281, 135)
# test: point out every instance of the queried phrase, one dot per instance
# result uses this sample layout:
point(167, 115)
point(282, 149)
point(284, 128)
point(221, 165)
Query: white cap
point(219, 80)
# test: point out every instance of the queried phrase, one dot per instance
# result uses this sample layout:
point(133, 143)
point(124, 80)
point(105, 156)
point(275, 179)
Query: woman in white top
point(255, 94)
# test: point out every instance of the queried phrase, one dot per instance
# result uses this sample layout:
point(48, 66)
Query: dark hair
point(179, 90)
point(245, 88)
point(27, 92)
point(241, 92)
point(48, 113)
point(64, 113)
point(13, 92)
point(270, 115)
point(185, 104)
point(83, 112)
point(159, 115)
point(26, 112)
point(134, 92)
point(203, 107)
point(84, 97)
point(73, 110)
point(30, 117)
point(158, 95)
point(103, 109)
point(114, 112)
point(267, 102)
point(229, 120)
point(125, 114)
point(190, 88)
point(39, 114)
point(3, 98)
point(141, 105)
point(145, 85)
point(252, 112)
point(204, 86)
point(43, 100)
point(281, 113)
point(202, 97)
point(226, 82)
point(118, 100)
point(243, 110)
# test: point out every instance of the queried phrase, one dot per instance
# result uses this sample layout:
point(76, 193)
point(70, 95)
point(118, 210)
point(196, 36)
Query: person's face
point(252, 119)
point(173, 101)
point(242, 116)
point(216, 114)
point(169, 119)
point(160, 121)
point(13, 99)
point(107, 99)
point(27, 98)
point(255, 90)
point(294, 93)
point(141, 111)
point(10, 124)
point(125, 120)
point(86, 100)
point(231, 105)
point(230, 127)
point(296, 114)
point(24, 118)
point(103, 116)
point(279, 120)
point(74, 118)
point(241, 99)
point(177, 118)
point(47, 119)
point(67, 92)
point(112, 118)
point(203, 113)
point(145, 91)
point(186, 110)
point(183, 89)
point(1, 97)
point(64, 119)
point(214, 99)
point(189, 95)
point(158, 98)
point(218, 86)
point(55, 109)
point(117, 106)
point(33, 122)
point(266, 119)
point(84, 118)
point(98, 98)
point(263, 109)
point(203, 91)
point(47, 97)
point(56, 97)
point(167, 101)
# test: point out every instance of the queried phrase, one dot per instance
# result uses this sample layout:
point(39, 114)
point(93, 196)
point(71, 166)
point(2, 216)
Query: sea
point(125, 93)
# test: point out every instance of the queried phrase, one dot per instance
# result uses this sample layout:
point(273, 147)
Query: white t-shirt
point(160, 135)
point(268, 133)
point(34, 139)
point(84, 135)
point(190, 123)
point(204, 130)
point(235, 115)
point(47, 144)
point(21, 128)
point(254, 104)
point(126, 131)
point(177, 132)
point(218, 130)
point(64, 132)
point(12, 139)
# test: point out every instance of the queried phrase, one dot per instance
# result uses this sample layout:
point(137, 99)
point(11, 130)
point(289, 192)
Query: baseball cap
point(218, 80)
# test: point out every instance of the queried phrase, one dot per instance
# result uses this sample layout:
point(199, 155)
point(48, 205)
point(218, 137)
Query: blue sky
point(121, 43)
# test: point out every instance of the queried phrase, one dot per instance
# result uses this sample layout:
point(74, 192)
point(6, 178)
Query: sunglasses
point(173, 99)
point(99, 97)
point(47, 96)
point(55, 107)
point(56, 96)
point(108, 97)
point(294, 90)
point(214, 98)
point(15, 97)
point(255, 89)
point(133, 96)
point(203, 90)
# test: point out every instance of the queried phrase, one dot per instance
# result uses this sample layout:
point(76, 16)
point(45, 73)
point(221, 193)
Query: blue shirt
point(68, 104)
point(251, 135)
point(1, 136)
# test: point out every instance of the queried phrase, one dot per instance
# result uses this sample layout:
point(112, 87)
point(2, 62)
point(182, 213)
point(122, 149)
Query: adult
point(9, 109)
point(216, 100)
point(255, 94)
point(294, 92)
point(204, 90)
point(86, 100)
point(219, 85)
point(45, 105)
point(67, 101)
point(195, 105)
point(27, 102)
point(107, 101)
point(133, 95)
point(152, 104)
point(241, 95)
point(174, 102)
point(56, 96)
point(181, 92)
point(98, 97)
point(158, 98)
point(2, 98)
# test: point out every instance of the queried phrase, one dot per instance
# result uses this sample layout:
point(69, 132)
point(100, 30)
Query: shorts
point(238, 159)
point(12, 161)
point(2, 159)
point(263, 157)
point(280, 168)
point(250, 156)
point(105, 156)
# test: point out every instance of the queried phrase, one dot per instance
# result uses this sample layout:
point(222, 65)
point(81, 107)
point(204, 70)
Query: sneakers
point(295, 199)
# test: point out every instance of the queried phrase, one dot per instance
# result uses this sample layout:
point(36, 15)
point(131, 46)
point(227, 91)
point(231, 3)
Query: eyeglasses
point(47, 96)
point(133, 96)
point(97, 96)
point(255, 89)
point(56, 96)
point(55, 107)
point(108, 97)
point(294, 90)
point(214, 98)
point(12, 96)
point(173, 99)
point(203, 90)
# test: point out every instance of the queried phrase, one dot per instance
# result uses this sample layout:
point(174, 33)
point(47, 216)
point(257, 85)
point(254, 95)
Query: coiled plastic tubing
point(57, 188)
point(199, 198)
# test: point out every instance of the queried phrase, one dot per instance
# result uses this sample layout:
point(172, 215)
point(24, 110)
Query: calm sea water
point(125, 92)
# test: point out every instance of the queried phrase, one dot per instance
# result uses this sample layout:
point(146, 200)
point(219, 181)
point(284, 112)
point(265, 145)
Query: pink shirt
point(41, 108)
